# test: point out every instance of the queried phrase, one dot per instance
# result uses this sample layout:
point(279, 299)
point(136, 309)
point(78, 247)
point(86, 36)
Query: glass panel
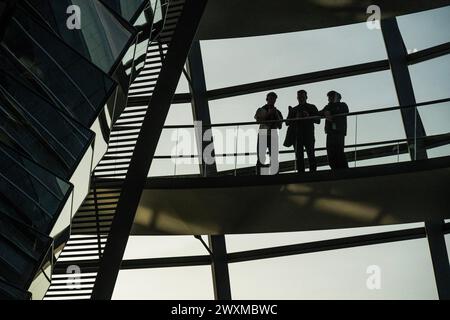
point(128, 9)
point(183, 85)
point(435, 120)
point(162, 167)
point(57, 68)
point(430, 82)
point(187, 166)
point(101, 38)
point(430, 79)
point(165, 284)
point(367, 130)
point(173, 142)
point(179, 114)
point(425, 29)
point(23, 249)
point(29, 193)
point(10, 292)
point(167, 142)
point(380, 271)
point(34, 127)
point(42, 279)
point(144, 247)
point(249, 59)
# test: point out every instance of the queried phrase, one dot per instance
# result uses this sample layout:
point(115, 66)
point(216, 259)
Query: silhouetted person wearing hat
point(336, 130)
point(304, 131)
point(268, 133)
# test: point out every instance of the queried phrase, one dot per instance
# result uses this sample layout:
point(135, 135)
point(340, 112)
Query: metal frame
point(435, 230)
point(397, 54)
point(200, 106)
point(145, 148)
point(219, 267)
point(425, 141)
point(150, 133)
point(282, 251)
point(301, 248)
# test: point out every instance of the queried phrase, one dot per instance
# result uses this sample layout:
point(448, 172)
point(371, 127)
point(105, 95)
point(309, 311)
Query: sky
point(405, 267)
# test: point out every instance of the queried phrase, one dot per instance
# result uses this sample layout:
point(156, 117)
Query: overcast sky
point(406, 270)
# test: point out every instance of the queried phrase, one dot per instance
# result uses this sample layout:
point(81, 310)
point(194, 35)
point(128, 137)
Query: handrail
point(367, 144)
point(387, 109)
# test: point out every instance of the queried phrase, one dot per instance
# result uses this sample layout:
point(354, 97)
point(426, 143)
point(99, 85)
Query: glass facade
point(43, 133)
point(232, 67)
point(54, 84)
point(128, 9)
point(57, 68)
point(102, 37)
point(30, 193)
point(23, 249)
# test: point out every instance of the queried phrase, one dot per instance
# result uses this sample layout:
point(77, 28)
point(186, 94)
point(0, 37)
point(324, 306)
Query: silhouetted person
point(336, 130)
point(304, 131)
point(267, 112)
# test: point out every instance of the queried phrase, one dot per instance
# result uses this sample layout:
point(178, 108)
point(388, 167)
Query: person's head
point(302, 96)
point(333, 96)
point(271, 98)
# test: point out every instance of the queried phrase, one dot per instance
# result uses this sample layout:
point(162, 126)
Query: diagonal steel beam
point(200, 106)
point(146, 146)
point(398, 60)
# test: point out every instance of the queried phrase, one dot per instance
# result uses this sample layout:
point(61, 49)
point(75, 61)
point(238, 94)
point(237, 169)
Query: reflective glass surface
point(10, 292)
point(125, 8)
point(28, 192)
point(57, 68)
point(21, 250)
point(33, 126)
point(101, 37)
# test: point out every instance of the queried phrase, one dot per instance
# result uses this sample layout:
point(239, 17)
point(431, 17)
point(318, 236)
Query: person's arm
point(260, 115)
point(345, 107)
point(341, 122)
point(290, 116)
point(326, 113)
point(315, 113)
point(279, 116)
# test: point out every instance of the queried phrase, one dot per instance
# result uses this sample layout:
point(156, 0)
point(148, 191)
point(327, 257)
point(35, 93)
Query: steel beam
point(429, 53)
point(165, 262)
point(221, 277)
point(398, 55)
point(296, 80)
point(326, 245)
point(438, 249)
point(145, 147)
point(200, 106)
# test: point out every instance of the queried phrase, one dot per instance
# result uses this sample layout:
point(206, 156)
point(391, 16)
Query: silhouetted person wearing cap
point(266, 133)
point(304, 131)
point(336, 130)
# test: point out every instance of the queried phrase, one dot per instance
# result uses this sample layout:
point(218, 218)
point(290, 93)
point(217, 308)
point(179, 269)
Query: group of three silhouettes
point(300, 133)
